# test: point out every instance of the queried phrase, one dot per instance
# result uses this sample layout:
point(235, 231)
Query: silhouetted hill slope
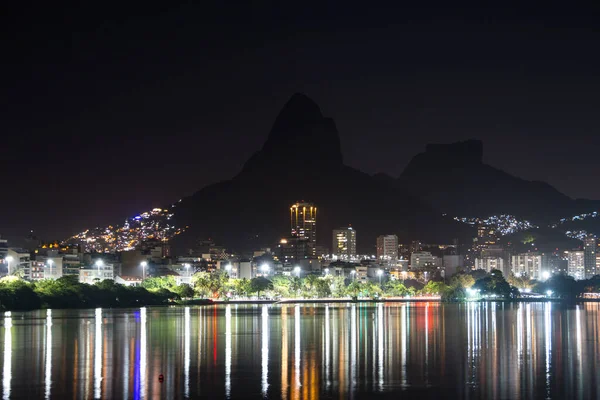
point(454, 179)
point(302, 160)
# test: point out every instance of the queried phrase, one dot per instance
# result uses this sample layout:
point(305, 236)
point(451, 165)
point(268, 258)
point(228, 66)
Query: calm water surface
point(393, 350)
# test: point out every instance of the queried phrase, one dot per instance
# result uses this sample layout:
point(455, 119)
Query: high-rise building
point(527, 264)
point(576, 264)
point(303, 221)
point(344, 243)
point(387, 248)
point(489, 263)
point(590, 248)
point(554, 263)
point(415, 246)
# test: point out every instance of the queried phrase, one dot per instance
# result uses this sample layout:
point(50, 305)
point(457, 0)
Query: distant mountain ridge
point(302, 160)
point(453, 178)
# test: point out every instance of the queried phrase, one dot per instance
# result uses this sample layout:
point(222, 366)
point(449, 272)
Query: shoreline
point(209, 302)
point(399, 300)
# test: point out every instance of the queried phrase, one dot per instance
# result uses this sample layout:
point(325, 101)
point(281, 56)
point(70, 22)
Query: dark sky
point(111, 110)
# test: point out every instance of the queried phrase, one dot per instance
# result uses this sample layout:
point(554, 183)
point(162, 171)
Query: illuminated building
point(96, 273)
point(576, 264)
point(527, 264)
point(554, 263)
point(128, 280)
point(422, 259)
point(303, 221)
point(489, 263)
point(344, 243)
point(291, 251)
point(590, 247)
point(18, 260)
point(387, 249)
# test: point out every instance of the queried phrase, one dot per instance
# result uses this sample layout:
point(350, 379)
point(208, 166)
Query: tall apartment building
point(576, 264)
point(489, 263)
point(303, 223)
point(387, 249)
point(344, 243)
point(527, 264)
point(590, 248)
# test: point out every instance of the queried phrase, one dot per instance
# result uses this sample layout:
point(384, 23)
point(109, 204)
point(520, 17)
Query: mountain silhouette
point(302, 160)
point(453, 179)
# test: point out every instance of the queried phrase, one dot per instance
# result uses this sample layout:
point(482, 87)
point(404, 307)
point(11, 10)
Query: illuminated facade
point(527, 264)
point(590, 248)
point(576, 264)
point(344, 242)
point(387, 248)
point(303, 222)
point(489, 263)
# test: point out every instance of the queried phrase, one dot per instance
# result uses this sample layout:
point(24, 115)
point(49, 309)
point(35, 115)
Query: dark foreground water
point(394, 350)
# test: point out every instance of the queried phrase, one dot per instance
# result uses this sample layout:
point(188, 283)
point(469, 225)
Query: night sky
point(108, 111)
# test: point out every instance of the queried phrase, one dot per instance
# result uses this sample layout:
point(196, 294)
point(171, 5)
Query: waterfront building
point(590, 248)
point(18, 261)
point(128, 280)
point(489, 263)
point(527, 264)
point(96, 273)
point(344, 243)
point(576, 264)
point(387, 249)
point(422, 259)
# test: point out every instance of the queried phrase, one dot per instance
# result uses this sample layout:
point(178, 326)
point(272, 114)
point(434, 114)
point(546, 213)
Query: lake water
point(307, 351)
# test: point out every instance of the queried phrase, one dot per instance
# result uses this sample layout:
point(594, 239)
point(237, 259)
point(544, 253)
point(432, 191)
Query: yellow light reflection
point(228, 350)
point(548, 341)
point(297, 346)
point(265, 349)
point(353, 363)
point(7, 370)
point(327, 347)
point(48, 361)
point(98, 355)
point(284, 353)
point(380, 343)
point(186, 351)
point(143, 351)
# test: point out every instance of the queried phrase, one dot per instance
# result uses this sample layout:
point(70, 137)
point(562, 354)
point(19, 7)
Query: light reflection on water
point(492, 350)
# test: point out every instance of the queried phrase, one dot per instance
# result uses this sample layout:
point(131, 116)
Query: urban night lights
point(503, 224)
point(148, 225)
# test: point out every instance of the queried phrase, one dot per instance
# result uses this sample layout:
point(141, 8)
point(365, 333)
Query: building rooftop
point(130, 278)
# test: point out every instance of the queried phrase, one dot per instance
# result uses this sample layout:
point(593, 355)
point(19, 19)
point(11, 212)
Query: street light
point(546, 275)
point(379, 273)
point(264, 268)
point(8, 259)
point(326, 271)
point(549, 293)
point(297, 271)
point(187, 269)
point(353, 273)
point(144, 264)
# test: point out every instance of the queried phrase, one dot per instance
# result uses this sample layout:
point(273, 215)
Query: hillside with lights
point(150, 225)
